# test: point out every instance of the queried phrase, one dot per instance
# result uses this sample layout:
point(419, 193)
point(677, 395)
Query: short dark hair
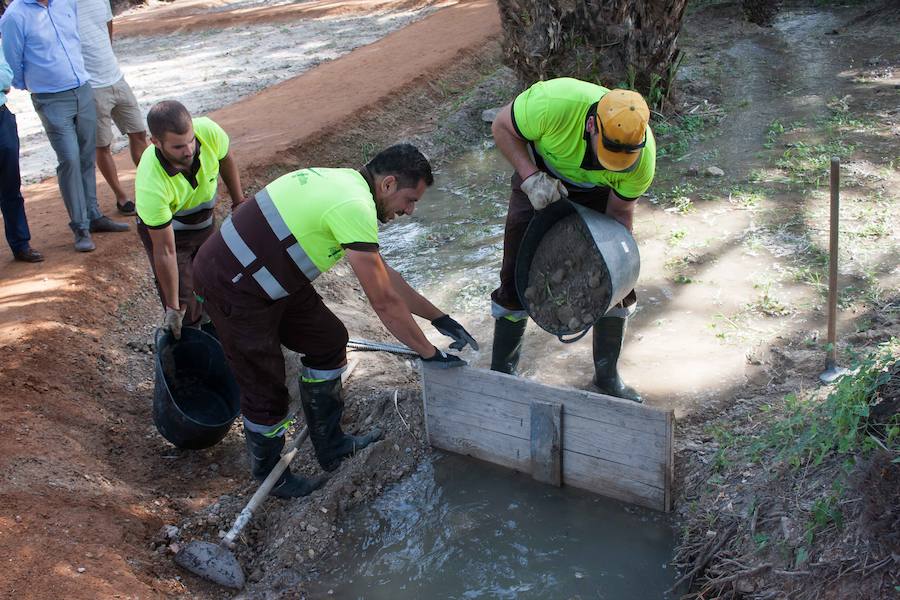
point(403, 161)
point(168, 116)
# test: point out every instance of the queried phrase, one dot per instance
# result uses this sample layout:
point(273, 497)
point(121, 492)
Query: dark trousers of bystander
point(12, 204)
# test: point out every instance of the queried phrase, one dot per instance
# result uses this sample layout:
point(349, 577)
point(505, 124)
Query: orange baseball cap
point(623, 116)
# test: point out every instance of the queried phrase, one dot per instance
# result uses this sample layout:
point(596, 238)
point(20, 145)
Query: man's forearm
point(621, 210)
point(166, 267)
point(416, 302)
point(232, 179)
point(398, 320)
point(514, 148)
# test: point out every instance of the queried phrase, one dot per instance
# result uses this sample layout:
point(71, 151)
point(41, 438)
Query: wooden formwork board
point(607, 445)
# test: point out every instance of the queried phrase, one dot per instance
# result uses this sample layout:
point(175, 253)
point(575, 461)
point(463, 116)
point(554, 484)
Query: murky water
point(458, 528)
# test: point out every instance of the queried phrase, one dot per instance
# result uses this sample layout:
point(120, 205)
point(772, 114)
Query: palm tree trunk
point(612, 42)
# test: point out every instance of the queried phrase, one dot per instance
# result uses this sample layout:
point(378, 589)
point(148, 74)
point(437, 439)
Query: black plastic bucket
point(195, 399)
point(613, 244)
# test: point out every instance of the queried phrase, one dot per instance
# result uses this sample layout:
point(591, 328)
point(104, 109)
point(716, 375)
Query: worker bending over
point(571, 138)
point(254, 277)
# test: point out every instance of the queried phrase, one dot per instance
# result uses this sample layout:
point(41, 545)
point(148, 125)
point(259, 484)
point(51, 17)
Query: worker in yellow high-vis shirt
point(571, 138)
point(255, 275)
point(175, 192)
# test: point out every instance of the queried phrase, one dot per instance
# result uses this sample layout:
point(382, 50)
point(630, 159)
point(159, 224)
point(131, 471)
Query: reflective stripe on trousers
point(246, 257)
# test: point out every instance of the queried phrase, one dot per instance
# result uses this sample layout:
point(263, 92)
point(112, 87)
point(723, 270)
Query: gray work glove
point(543, 190)
point(172, 321)
point(451, 328)
point(442, 360)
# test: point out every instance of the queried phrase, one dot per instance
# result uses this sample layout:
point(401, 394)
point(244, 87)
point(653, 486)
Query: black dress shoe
point(107, 224)
point(29, 255)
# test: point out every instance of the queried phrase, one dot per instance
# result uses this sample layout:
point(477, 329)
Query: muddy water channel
point(451, 249)
point(462, 529)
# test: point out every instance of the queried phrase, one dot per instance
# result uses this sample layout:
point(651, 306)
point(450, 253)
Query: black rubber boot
point(507, 347)
point(323, 407)
point(609, 332)
point(264, 454)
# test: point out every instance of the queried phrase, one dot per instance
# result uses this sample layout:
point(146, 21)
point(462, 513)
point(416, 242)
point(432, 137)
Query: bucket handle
point(577, 337)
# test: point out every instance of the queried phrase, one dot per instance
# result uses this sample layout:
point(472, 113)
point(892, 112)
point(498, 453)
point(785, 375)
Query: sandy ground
point(221, 63)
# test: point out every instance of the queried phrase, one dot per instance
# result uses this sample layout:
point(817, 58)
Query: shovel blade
point(212, 562)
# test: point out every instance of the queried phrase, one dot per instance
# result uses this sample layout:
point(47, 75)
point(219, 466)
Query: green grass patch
point(676, 236)
point(674, 138)
point(767, 304)
point(811, 164)
point(746, 196)
point(810, 431)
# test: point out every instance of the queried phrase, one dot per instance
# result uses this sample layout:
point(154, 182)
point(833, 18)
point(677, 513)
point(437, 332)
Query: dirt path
point(86, 482)
point(203, 15)
point(216, 66)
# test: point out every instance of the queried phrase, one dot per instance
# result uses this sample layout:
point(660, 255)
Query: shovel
point(216, 562)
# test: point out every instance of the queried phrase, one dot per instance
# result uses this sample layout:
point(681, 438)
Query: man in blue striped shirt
point(41, 44)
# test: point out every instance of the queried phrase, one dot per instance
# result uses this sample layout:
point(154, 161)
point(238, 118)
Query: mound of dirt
point(568, 283)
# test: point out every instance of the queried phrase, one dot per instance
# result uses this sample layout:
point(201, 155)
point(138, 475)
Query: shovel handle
point(269, 482)
point(264, 489)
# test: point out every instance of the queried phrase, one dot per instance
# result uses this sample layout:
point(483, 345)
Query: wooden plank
point(490, 413)
point(593, 474)
point(623, 413)
point(607, 445)
point(639, 458)
point(583, 434)
point(545, 442)
point(507, 451)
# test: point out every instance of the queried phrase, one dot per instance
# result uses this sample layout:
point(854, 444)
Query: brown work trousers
point(517, 219)
point(252, 328)
point(187, 243)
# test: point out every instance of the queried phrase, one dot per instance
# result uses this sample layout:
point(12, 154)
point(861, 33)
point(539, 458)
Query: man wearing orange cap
point(570, 138)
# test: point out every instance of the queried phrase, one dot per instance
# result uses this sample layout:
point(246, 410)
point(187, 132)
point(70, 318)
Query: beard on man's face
point(184, 163)
point(380, 212)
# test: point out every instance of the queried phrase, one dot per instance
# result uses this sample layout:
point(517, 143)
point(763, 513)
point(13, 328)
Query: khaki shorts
point(117, 103)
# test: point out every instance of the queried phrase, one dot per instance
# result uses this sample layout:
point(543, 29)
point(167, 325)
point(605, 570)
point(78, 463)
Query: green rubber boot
point(609, 333)
point(323, 407)
point(508, 335)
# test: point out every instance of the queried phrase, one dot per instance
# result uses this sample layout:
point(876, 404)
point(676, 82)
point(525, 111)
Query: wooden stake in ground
point(832, 371)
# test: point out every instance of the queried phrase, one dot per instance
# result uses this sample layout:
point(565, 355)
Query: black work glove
point(442, 360)
point(449, 327)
